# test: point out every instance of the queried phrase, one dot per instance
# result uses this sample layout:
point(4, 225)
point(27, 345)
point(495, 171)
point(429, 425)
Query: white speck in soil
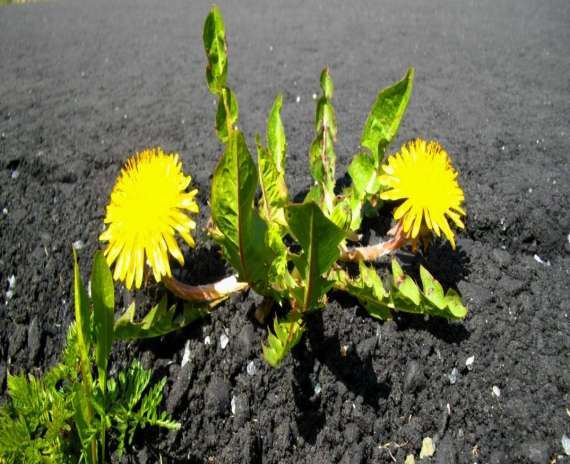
point(224, 340)
point(503, 148)
point(5, 211)
point(271, 48)
point(186, 355)
point(314, 96)
point(125, 116)
point(9, 295)
point(539, 260)
point(233, 405)
point(496, 391)
point(566, 444)
point(469, 362)
point(78, 245)
point(568, 237)
point(11, 282)
point(530, 190)
point(298, 99)
point(207, 340)
point(318, 389)
point(251, 368)
point(453, 376)
point(15, 174)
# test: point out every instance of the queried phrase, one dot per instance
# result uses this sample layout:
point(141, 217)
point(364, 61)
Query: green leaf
point(319, 238)
point(160, 320)
point(83, 319)
point(276, 144)
point(368, 289)
point(274, 193)
point(224, 119)
point(385, 116)
point(287, 334)
point(242, 233)
point(322, 157)
point(216, 51)
point(103, 296)
point(404, 294)
point(449, 303)
point(327, 84)
point(364, 175)
point(405, 284)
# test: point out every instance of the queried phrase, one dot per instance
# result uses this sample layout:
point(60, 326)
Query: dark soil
point(83, 84)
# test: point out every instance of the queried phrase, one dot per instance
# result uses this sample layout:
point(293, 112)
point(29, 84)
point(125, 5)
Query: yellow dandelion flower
point(149, 205)
point(422, 175)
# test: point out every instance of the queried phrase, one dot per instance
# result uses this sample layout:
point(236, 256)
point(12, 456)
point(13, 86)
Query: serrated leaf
point(368, 289)
point(319, 238)
point(216, 51)
point(242, 234)
point(404, 295)
point(286, 335)
point(276, 143)
point(274, 193)
point(160, 320)
point(103, 297)
point(322, 158)
point(385, 116)
point(227, 113)
point(447, 302)
point(405, 284)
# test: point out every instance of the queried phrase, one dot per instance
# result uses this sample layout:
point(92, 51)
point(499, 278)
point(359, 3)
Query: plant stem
point(374, 252)
point(209, 292)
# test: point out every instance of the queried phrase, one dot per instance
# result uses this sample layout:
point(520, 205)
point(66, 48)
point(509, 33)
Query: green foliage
point(287, 334)
point(319, 238)
point(160, 320)
point(290, 252)
point(403, 294)
point(241, 233)
point(322, 157)
point(64, 416)
point(385, 116)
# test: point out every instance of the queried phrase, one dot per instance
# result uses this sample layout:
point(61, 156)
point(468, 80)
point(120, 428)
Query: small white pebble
point(298, 99)
point(233, 405)
point(568, 237)
point(503, 148)
point(453, 376)
point(186, 355)
point(314, 96)
point(469, 362)
point(530, 190)
point(5, 211)
point(15, 174)
point(125, 116)
point(318, 389)
point(11, 281)
point(207, 340)
point(224, 340)
point(539, 260)
point(250, 369)
point(78, 245)
point(566, 444)
point(553, 182)
point(496, 391)
point(271, 48)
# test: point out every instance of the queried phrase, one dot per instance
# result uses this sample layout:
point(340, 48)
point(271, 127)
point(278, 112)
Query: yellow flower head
point(422, 175)
point(149, 204)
